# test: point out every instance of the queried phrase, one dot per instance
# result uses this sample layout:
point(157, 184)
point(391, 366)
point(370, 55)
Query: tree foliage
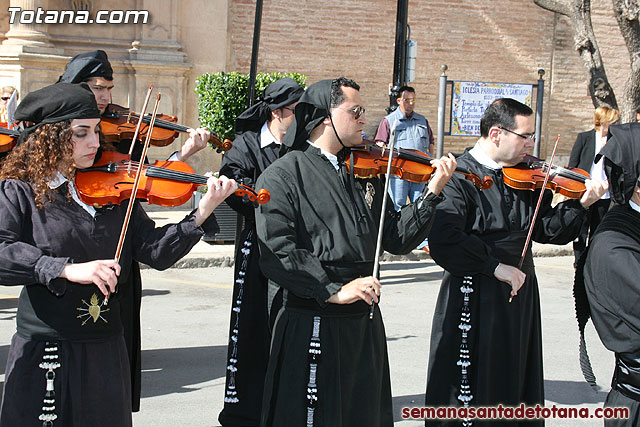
point(223, 96)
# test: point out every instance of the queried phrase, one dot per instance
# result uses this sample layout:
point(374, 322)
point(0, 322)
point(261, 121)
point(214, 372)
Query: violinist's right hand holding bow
point(102, 272)
point(445, 166)
point(366, 289)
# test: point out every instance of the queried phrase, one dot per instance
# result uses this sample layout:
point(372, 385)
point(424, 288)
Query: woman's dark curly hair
point(47, 150)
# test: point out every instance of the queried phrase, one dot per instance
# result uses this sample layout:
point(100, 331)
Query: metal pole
point(539, 102)
point(400, 53)
point(252, 93)
point(254, 53)
point(442, 99)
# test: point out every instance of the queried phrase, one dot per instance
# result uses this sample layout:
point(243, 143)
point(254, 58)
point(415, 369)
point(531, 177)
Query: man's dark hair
point(337, 94)
point(405, 88)
point(502, 113)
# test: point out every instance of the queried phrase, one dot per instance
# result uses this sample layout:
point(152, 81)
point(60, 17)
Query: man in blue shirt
point(412, 132)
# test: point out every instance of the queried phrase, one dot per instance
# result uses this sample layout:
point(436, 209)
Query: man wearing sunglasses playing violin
point(317, 237)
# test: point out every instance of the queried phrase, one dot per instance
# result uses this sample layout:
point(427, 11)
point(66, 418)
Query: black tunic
point(611, 276)
point(310, 247)
point(35, 245)
point(485, 350)
point(249, 335)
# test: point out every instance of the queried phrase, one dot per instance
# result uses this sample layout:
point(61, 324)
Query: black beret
point(57, 103)
point(86, 65)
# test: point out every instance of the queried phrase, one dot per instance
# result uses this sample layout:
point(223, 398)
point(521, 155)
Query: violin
point(8, 138)
point(411, 165)
point(120, 123)
point(164, 183)
point(529, 175)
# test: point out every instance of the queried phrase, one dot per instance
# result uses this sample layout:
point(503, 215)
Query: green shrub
point(223, 96)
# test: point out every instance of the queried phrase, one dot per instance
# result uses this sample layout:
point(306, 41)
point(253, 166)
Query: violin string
point(571, 174)
point(162, 123)
point(158, 172)
point(560, 171)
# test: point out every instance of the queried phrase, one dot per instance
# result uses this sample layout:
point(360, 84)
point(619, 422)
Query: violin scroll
point(220, 146)
point(260, 197)
point(481, 183)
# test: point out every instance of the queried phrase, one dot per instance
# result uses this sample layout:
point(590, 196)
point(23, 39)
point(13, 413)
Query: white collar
point(57, 181)
point(331, 157)
point(478, 153)
point(60, 179)
point(266, 137)
point(634, 206)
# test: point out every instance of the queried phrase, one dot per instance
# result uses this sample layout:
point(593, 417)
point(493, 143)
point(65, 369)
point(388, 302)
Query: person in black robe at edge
point(67, 363)
point(94, 69)
point(317, 236)
point(612, 269)
point(259, 131)
point(583, 153)
point(485, 350)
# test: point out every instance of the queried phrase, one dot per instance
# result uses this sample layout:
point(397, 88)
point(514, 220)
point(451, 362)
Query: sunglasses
point(5, 98)
point(357, 111)
point(408, 100)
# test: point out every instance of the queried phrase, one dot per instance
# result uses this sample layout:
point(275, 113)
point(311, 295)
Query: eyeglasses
point(5, 98)
point(357, 111)
point(408, 100)
point(531, 137)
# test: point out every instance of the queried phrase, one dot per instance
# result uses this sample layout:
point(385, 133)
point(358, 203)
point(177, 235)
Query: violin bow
point(535, 213)
point(135, 135)
point(134, 190)
point(385, 196)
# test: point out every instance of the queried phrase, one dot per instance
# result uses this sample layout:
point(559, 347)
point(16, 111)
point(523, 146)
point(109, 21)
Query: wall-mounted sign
point(470, 99)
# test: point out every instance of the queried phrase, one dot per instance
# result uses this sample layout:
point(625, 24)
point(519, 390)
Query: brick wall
point(499, 40)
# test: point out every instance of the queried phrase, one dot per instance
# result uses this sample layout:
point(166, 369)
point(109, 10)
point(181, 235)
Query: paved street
point(185, 320)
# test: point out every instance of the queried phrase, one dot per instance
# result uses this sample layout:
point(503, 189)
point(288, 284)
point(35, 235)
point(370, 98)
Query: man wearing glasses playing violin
point(485, 349)
point(317, 237)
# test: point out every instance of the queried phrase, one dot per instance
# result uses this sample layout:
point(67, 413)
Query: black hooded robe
point(92, 384)
point(611, 280)
point(328, 364)
point(485, 350)
point(248, 350)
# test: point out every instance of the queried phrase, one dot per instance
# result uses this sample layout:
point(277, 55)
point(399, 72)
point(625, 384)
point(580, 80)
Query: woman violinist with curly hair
point(67, 364)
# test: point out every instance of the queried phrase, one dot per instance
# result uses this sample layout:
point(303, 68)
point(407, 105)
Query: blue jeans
point(399, 190)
